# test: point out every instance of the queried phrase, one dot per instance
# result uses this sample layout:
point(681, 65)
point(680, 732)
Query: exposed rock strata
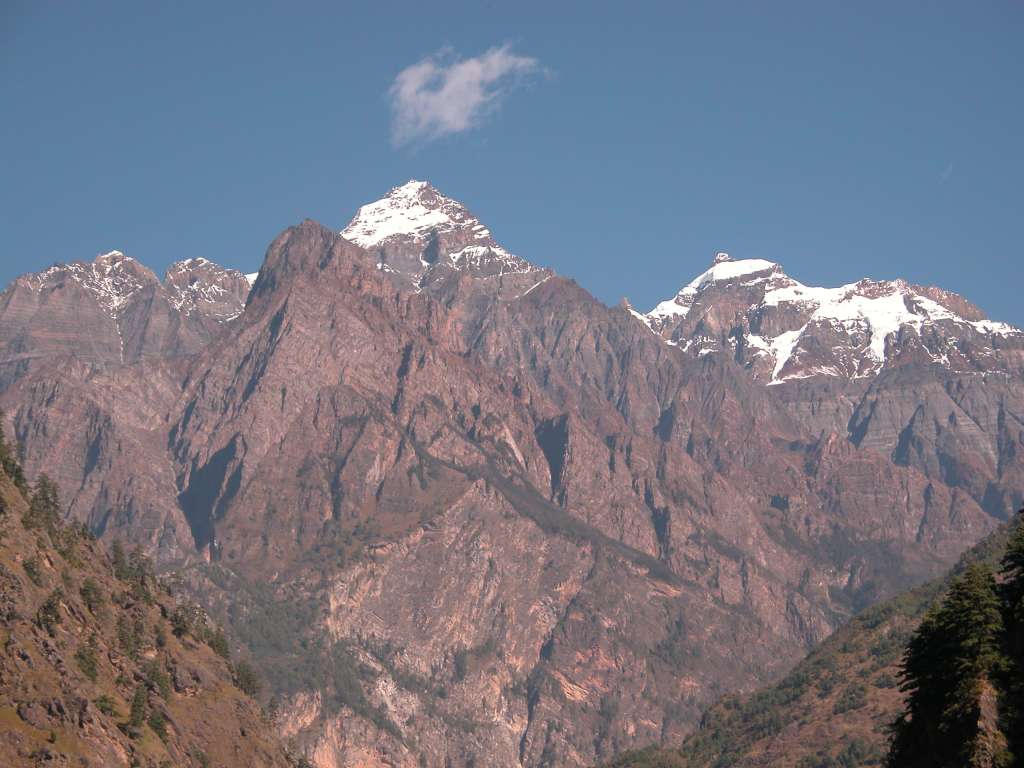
point(539, 532)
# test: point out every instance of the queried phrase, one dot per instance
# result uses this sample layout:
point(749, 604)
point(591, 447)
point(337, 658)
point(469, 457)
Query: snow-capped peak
point(800, 331)
point(723, 269)
point(414, 228)
point(726, 269)
point(112, 278)
point(195, 261)
point(880, 309)
point(201, 285)
point(415, 210)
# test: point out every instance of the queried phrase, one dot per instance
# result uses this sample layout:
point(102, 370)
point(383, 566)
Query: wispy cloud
point(946, 173)
point(443, 94)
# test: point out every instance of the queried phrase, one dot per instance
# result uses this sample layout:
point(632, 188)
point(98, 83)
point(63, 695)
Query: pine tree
point(92, 596)
point(49, 615)
point(158, 723)
point(954, 653)
point(9, 461)
point(1012, 593)
point(87, 657)
point(44, 509)
point(246, 679)
point(140, 575)
point(219, 643)
point(138, 711)
point(1013, 575)
point(118, 560)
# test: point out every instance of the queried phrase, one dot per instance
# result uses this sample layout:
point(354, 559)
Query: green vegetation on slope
point(836, 708)
point(98, 666)
point(962, 673)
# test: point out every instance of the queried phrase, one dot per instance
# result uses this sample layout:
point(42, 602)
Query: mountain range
point(463, 513)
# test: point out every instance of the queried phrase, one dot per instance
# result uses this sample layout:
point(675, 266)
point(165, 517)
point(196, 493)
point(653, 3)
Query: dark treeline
point(963, 672)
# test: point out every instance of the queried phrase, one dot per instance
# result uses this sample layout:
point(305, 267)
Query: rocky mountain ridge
point(114, 310)
point(783, 330)
point(526, 529)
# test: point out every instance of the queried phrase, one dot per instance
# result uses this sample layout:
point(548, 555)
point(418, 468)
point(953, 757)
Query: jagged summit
point(192, 263)
point(112, 278)
point(415, 209)
point(116, 281)
point(785, 330)
point(723, 269)
point(415, 228)
point(115, 310)
point(200, 285)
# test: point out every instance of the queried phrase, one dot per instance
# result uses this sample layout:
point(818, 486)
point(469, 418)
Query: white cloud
point(443, 94)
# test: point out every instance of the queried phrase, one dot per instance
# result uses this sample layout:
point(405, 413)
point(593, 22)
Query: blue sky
point(625, 144)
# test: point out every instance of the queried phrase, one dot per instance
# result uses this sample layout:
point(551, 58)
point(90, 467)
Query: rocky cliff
point(114, 310)
point(516, 526)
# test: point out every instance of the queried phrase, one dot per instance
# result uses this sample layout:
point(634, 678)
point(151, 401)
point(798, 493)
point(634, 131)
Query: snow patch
point(480, 255)
point(675, 307)
point(879, 309)
point(414, 209)
point(110, 278)
point(725, 270)
point(197, 283)
point(780, 347)
point(867, 309)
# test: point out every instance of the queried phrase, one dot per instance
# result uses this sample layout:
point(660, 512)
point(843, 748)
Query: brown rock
point(505, 523)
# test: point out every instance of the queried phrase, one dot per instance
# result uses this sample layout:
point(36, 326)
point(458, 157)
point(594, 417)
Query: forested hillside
point(99, 665)
point(964, 672)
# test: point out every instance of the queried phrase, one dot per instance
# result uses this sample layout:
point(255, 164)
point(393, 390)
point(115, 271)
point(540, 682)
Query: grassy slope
point(833, 709)
point(52, 712)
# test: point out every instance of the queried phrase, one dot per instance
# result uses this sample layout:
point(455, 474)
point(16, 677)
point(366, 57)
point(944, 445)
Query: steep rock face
point(101, 434)
point(537, 532)
point(114, 310)
point(411, 423)
point(200, 288)
point(69, 311)
point(914, 373)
